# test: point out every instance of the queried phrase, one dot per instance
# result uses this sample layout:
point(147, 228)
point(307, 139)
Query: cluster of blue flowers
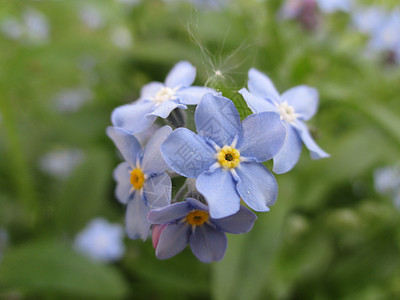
point(223, 161)
point(383, 29)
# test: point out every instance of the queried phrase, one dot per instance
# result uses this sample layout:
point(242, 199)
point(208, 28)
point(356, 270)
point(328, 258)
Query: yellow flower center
point(228, 157)
point(137, 179)
point(197, 217)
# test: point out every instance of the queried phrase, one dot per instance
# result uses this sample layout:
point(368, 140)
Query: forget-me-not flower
point(386, 37)
point(101, 240)
point(189, 222)
point(226, 156)
point(331, 6)
point(142, 183)
point(160, 99)
point(387, 182)
point(368, 19)
point(62, 162)
point(295, 106)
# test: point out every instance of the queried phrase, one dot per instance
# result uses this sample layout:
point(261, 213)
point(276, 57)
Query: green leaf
point(51, 268)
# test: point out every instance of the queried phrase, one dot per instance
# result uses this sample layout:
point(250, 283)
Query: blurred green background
point(329, 236)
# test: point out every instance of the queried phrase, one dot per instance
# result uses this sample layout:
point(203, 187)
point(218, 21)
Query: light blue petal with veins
point(315, 151)
point(217, 119)
point(192, 95)
point(169, 213)
point(134, 117)
point(152, 161)
point(261, 85)
point(219, 189)
point(126, 143)
point(288, 156)
point(187, 153)
point(304, 100)
point(256, 103)
point(241, 222)
point(122, 176)
point(157, 191)
point(164, 109)
point(263, 136)
point(149, 90)
point(181, 75)
point(257, 186)
point(136, 222)
point(173, 240)
point(208, 244)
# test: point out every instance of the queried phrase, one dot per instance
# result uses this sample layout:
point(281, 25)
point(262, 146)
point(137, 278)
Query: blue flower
point(142, 183)
point(387, 182)
point(368, 19)
point(101, 241)
point(159, 99)
point(296, 105)
point(386, 36)
point(330, 6)
point(226, 156)
point(189, 222)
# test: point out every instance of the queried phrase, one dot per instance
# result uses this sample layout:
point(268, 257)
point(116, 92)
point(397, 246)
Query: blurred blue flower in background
point(386, 36)
point(37, 26)
point(101, 240)
point(12, 28)
point(368, 19)
point(32, 28)
point(142, 183)
point(295, 106)
point(160, 99)
point(226, 157)
point(61, 162)
point(3, 241)
point(331, 6)
point(387, 182)
point(91, 16)
point(121, 37)
point(70, 100)
point(188, 222)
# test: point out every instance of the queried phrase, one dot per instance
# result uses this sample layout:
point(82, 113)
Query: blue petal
point(164, 109)
point(192, 95)
point(257, 186)
point(149, 90)
point(260, 85)
point(256, 103)
point(137, 225)
point(304, 100)
point(196, 204)
point(315, 151)
point(169, 213)
point(288, 156)
point(133, 117)
point(126, 143)
point(122, 176)
point(263, 136)
point(173, 240)
point(241, 222)
point(181, 75)
point(152, 161)
point(208, 244)
point(217, 119)
point(157, 191)
point(218, 187)
point(187, 153)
